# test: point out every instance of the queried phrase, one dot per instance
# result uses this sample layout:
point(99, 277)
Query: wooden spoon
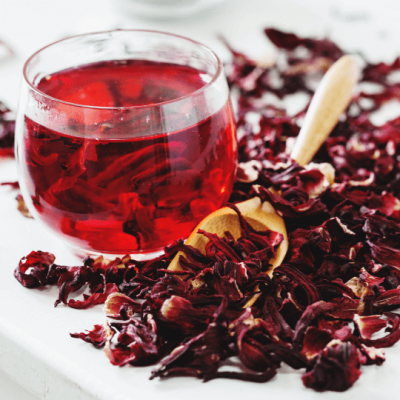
point(330, 100)
point(260, 216)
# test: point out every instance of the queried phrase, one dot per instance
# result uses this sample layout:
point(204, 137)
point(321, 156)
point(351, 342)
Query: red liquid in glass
point(136, 194)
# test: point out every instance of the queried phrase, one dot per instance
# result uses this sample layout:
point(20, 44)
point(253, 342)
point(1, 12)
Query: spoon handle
point(329, 102)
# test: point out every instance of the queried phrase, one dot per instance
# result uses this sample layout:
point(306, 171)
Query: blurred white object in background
point(167, 9)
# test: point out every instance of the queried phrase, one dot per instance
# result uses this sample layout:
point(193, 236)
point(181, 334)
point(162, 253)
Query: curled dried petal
point(298, 205)
point(388, 340)
point(369, 325)
point(38, 263)
point(115, 301)
point(374, 356)
point(336, 368)
point(315, 341)
point(201, 355)
point(311, 312)
point(138, 344)
point(97, 336)
point(181, 314)
point(95, 298)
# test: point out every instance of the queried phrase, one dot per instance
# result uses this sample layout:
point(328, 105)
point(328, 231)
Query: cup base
point(82, 254)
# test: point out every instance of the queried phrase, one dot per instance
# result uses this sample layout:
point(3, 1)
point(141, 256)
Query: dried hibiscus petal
point(97, 336)
point(251, 334)
point(293, 203)
point(388, 340)
point(138, 344)
point(369, 325)
point(13, 185)
point(37, 263)
point(385, 254)
point(242, 376)
point(275, 324)
point(289, 41)
point(374, 356)
point(306, 244)
point(95, 298)
point(336, 368)
point(311, 312)
point(389, 298)
point(116, 300)
point(315, 341)
point(201, 355)
point(180, 313)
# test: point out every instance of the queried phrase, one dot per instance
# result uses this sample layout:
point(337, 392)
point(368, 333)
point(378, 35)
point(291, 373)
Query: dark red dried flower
point(374, 356)
point(179, 312)
point(34, 270)
point(386, 341)
point(201, 355)
point(117, 302)
point(336, 368)
point(369, 325)
point(293, 202)
point(13, 185)
point(315, 341)
point(97, 336)
point(289, 41)
point(137, 343)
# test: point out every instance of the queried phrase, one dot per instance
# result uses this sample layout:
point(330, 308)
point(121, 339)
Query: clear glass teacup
point(125, 140)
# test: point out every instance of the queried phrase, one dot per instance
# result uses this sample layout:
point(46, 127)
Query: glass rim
point(215, 77)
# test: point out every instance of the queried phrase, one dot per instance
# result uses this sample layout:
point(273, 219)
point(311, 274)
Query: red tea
point(138, 193)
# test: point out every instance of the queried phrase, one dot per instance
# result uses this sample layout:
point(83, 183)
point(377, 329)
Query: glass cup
point(118, 151)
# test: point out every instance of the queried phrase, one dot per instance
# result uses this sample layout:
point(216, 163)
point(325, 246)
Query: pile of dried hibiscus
point(329, 307)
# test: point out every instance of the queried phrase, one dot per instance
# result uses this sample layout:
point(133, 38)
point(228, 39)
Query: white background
point(35, 349)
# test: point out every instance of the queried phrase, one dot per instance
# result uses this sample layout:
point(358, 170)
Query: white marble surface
point(35, 348)
point(10, 390)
